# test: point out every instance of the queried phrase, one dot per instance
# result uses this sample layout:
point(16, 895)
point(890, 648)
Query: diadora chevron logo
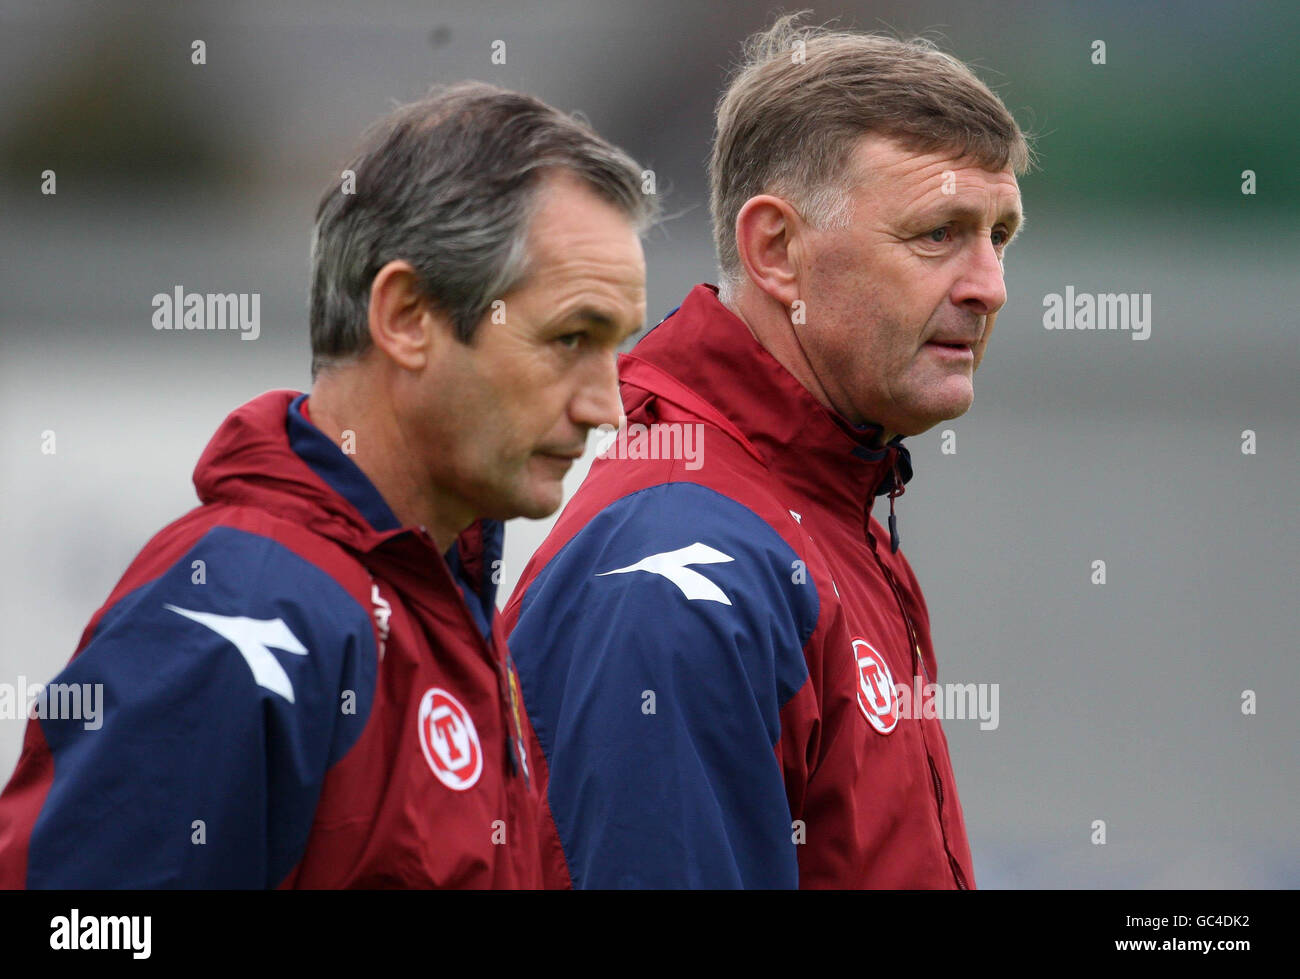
point(876, 694)
point(674, 565)
point(254, 638)
point(383, 611)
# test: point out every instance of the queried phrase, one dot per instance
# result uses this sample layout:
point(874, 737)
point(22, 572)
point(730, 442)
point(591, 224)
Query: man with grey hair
point(725, 658)
point(305, 683)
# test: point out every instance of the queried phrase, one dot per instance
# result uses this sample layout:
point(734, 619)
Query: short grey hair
point(803, 96)
point(448, 183)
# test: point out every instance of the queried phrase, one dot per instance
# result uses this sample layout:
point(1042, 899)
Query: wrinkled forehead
point(895, 174)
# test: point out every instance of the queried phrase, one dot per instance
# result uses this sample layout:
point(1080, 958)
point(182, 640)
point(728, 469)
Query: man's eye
point(941, 234)
point(571, 341)
point(1000, 238)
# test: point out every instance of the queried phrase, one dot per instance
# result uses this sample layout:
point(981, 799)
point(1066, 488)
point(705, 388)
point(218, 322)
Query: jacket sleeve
point(213, 699)
point(656, 651)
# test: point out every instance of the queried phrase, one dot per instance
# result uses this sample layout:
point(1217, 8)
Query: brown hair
point(801, 99)
point(449, 184)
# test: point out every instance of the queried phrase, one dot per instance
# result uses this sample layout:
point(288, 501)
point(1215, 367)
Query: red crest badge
point(449, 740)
point(876, 694)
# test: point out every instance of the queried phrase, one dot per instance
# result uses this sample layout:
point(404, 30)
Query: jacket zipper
point(917, 659)
point(938, 794)
point(507, 692)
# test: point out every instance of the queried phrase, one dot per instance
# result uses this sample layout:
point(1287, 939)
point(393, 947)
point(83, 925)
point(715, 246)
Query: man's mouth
point(567, 458)
point(960, 351)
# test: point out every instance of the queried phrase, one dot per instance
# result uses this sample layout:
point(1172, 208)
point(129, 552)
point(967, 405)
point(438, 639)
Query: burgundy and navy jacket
point(711, 646)
point(297, 692)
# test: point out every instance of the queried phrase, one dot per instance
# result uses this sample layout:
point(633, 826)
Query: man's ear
point(403, 324)
point(770, 237)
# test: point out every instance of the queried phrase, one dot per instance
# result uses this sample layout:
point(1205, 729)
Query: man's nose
point(982, 288)
point(597, 401)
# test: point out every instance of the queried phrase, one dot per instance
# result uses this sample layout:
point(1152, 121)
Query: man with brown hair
point(305, 683)
point(716, 655)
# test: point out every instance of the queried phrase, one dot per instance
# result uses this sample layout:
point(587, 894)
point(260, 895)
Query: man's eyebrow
point(937, 214)
point(596, 317)
point(1016, 219)
point(602, 321)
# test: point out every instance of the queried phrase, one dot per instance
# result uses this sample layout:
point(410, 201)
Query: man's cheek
point(983, 341)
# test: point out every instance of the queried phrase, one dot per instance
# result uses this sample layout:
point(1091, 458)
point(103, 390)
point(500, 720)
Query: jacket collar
point(267, 454)
point(812, 448)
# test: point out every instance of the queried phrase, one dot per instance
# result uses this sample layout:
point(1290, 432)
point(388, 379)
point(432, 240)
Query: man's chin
point(958, 396)
point(540, 511)
point(935, 415)
point(536, 505)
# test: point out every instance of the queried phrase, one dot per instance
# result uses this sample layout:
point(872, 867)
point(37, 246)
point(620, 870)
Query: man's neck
point(347, 400)
point(770, 326)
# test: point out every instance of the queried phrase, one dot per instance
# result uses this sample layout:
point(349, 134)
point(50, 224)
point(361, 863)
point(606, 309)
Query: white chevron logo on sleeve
point(254, 639)
point(673, 566)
